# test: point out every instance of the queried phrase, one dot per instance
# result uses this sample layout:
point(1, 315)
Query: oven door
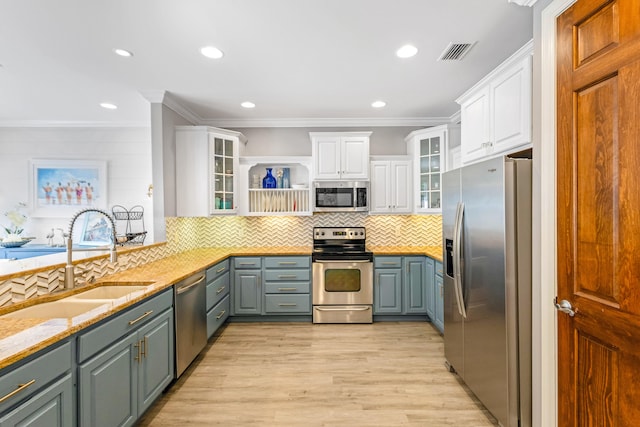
point(342, 282)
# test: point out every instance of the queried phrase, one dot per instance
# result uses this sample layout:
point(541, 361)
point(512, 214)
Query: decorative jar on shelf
point(269, 181)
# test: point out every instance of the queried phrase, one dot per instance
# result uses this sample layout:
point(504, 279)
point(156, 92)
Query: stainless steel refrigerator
point(486, 214)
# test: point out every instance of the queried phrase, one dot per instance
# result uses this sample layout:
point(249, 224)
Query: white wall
point(126, 150)
point(296, 141)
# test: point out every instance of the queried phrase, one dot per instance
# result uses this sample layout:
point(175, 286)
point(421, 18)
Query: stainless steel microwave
point(340, 196)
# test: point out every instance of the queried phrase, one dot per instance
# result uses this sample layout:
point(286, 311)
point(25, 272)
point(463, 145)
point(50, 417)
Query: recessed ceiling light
point(108, 106)
point(211, 52)
point(248, 104)
point(407, 51)
point(378, 104)
point(122, 52)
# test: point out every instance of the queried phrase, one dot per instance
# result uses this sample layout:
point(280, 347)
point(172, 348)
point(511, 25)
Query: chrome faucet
point(69, 271)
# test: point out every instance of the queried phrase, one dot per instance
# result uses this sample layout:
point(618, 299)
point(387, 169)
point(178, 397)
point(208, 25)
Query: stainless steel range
point(342, 276)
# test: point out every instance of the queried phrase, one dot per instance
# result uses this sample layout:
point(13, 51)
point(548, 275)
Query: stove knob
point(322, 233)
point(362, 233)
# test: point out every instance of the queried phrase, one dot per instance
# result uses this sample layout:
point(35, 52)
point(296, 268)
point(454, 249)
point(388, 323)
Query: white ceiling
point(316, 60)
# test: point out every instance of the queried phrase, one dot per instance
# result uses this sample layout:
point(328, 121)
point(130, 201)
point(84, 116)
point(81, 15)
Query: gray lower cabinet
point(247, 286)
point(287, 285)
point(218, 300)
point(438, 296)
point(400, 285)
point(414, 279)
point(117, 383)
point(430, 288)
point(39, 392)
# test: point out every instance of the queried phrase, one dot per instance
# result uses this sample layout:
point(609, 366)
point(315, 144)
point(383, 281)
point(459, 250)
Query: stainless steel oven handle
point(360, 261)
point(343, 308)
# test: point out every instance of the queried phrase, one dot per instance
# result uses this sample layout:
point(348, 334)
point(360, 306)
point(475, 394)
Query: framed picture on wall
point(59, 188)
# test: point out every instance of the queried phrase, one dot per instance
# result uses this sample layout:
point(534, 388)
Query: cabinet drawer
point(247, 262)
point(217, 270)
point(287, 303)
point(286, 275)
point(287, 288)
point(217, 290)
point(217, 315)
point(438, 268)
point(287, 262)
point(387, 262)
point(98, 338)
point(37, 373)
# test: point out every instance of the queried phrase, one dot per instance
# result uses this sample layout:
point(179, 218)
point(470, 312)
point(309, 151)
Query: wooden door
point(598, 184)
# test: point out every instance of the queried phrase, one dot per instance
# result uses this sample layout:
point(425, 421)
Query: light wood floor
point(300, 374)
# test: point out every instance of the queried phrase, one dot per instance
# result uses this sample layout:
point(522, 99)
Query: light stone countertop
point(20, 338)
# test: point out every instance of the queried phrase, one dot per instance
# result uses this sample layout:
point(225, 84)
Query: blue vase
point(269, 181)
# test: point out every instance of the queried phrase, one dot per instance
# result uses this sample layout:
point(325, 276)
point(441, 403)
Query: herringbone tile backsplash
point(382, 230)
point(189, 233)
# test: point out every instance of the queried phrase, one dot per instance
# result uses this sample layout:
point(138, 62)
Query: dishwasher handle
point(185, 288)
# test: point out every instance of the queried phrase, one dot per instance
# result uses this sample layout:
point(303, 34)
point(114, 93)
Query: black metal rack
point(132, 220)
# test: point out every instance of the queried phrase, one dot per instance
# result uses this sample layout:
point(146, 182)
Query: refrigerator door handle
point(457, 257)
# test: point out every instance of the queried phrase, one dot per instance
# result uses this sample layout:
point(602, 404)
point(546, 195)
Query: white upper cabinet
point(496, 112)
point(206, 170)
point(342, 155)
point(390, 185)
point(428, 148)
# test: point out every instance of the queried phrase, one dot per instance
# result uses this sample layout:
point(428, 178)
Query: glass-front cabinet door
point(223, 157)
point(428, 148)
point(430, 161)
point(207, 162)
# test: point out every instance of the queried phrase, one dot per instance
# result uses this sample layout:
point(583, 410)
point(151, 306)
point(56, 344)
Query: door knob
point(565, 307)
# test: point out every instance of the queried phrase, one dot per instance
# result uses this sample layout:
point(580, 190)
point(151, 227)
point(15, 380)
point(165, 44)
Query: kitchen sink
point(64, 308)
point(107, 292)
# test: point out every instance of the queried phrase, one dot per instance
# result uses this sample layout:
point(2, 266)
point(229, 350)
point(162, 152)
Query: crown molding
point(327, 122)
point(70, 124)
point(164, 97)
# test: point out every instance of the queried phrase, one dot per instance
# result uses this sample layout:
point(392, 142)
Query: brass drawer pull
point(390, 263)
point(287, 289)
point(289, 304)
point(287, 262)
point(134, 321)
point(219, 316)
point(246, 263)
point(220, 270)
point(18, 390)
point(287, 276)
point(220, 289)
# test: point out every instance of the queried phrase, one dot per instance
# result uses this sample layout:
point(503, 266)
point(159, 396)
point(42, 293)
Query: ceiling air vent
point(455, 51)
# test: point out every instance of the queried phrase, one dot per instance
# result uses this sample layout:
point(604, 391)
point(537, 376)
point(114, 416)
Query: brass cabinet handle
point(220, 289)
point(138, 356)
point(287, 262)
point(290, 304)
point(287, 276)
point(219, 316)
point(220, 270)
point(247, 263)
point(17, 390)
point(143, 345)
point(389, 262)
point(134, 321)
point(287, 289)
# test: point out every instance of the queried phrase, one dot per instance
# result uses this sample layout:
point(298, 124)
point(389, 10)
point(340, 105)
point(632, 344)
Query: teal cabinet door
point(438, 321)
point(247, 292)
point(430, 286)
point(387, 291)
point(415, 292)
point(156, 368)
point(52, 407)
point(107, 385)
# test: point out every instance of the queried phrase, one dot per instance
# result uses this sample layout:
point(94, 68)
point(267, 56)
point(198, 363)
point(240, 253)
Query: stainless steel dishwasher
point(191, 320)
